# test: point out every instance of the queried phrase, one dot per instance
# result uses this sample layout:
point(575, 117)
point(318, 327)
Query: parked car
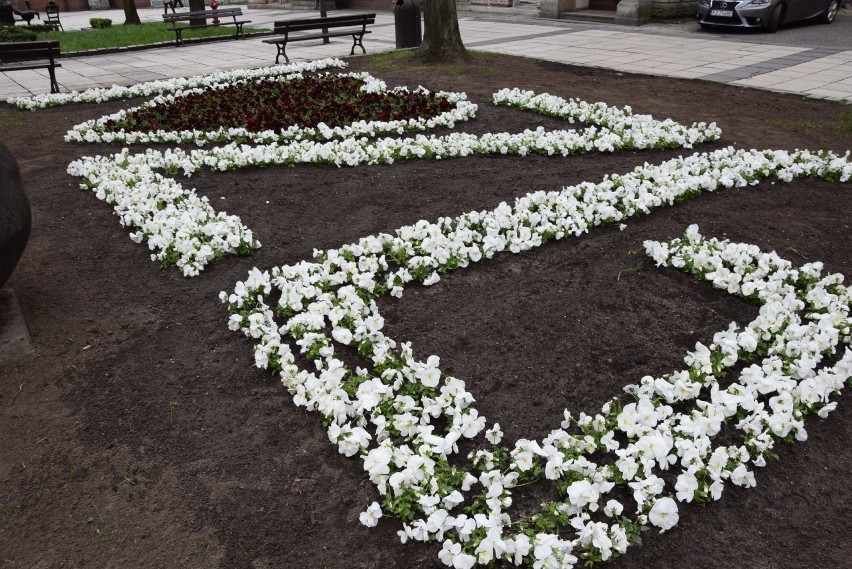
point(763, 14)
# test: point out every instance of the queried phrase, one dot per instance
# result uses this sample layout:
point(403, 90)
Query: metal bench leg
point(359, 41)
point(54, 86)
point(281, 48)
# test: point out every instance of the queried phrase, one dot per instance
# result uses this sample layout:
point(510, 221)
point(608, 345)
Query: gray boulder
point(15, 217)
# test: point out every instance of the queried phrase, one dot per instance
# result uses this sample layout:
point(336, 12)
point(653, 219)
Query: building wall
point(80, 5)
point(384, 5)
point(659, 8)
point(673, 8)
point(95, 5)
point(64, 5)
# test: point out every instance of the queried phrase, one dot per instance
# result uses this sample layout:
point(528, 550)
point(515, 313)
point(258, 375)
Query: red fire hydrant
point(214, 5)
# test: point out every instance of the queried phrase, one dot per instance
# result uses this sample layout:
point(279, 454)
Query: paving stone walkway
point(672, 51)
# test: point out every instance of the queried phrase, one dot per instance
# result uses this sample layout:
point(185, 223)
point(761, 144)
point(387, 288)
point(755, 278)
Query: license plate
point(722, 13)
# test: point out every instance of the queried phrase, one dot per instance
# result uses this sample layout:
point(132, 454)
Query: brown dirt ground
point(139, 434)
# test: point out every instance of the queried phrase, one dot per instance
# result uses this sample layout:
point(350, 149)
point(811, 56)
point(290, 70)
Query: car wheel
point(771, 25)
point(830, 13)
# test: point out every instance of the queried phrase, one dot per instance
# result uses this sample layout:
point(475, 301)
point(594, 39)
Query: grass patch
point(841, 123)
point(11, 513)
point(844, 122)
point(403, 59)
point(124, 36)
point(396, 59)
point(13, 118)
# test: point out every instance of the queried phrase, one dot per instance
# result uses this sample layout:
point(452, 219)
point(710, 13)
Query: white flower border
point(331, 302)
point(179, 227)
point(637, 131)
point(109, 178)
point(102, 94)
point(95, 130)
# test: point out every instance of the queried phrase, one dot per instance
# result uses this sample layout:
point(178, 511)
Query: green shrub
point(40, 28)
point(10, 34)
point(99, 23)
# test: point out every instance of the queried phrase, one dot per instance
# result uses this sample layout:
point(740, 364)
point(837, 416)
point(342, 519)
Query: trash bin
point(406, 15)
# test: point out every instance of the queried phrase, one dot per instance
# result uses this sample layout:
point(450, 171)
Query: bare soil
point(139, 434)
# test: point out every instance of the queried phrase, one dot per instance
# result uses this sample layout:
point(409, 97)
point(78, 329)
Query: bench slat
point(23, 65)
point(39, 54)
point(25, 51)
point(315, 23)
point(188, 27)
point(320, 36)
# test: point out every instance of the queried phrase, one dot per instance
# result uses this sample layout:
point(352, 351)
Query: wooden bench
point(356, 24)
point(201, 18)
point(31, 55)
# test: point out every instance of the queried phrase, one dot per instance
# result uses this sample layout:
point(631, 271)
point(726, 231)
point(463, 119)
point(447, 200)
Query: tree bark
point(442, 41)
point(197, 6)
point(131, 16)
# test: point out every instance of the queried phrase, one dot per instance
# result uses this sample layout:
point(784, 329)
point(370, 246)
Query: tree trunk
point(197, 6)
point(131, 16)
point(442, 41)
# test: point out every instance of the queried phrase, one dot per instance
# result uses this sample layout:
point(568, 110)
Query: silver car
point(763, 14)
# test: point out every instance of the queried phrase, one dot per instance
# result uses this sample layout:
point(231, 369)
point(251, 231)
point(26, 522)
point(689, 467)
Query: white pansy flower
point(370, 517)
point(613, 508)
point(494, 435)
point(664, 514)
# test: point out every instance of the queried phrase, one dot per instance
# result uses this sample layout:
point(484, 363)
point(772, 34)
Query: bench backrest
point(222, 13)
point(28, 50)
point(301, 24)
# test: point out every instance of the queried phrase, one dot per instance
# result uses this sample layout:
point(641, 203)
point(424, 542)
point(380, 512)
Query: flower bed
point(388, 411)
point(283, 108)
point(109, 177)
point(99, 95)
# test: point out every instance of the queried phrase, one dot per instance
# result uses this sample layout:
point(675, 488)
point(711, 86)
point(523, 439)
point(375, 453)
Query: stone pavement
point(678, 50)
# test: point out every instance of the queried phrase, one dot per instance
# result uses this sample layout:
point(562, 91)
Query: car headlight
point(759, 2)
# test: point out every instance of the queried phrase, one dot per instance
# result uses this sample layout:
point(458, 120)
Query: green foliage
point(9, 34)
point(100, 23)
point(40, 28)
point(404, 506)
point(550, 519)
point(123, 36)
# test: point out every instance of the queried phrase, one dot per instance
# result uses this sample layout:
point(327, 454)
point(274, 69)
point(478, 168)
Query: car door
point(802, 9)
